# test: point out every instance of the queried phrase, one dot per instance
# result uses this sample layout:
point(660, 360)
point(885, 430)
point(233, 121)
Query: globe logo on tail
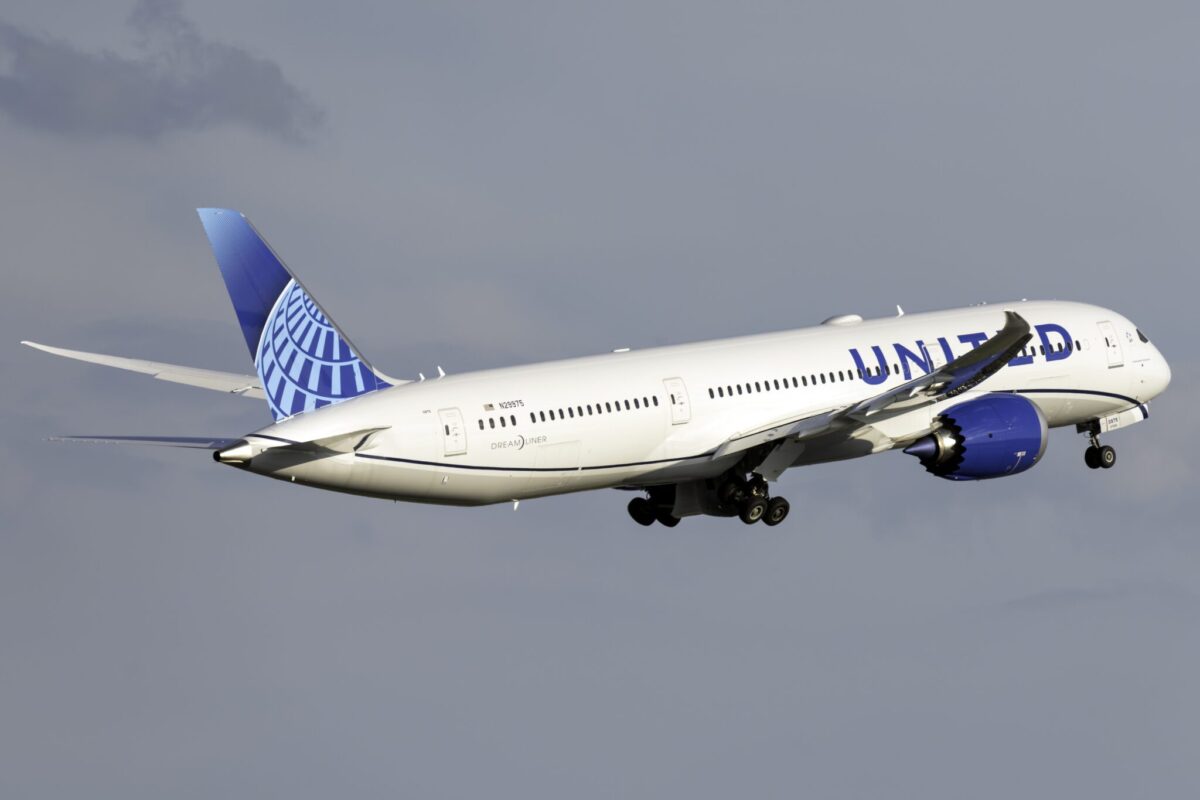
point(303, 361)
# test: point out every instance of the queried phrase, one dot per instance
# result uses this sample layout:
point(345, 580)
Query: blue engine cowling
point(990, 437)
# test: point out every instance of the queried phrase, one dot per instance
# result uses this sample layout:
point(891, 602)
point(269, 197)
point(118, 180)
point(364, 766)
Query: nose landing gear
point(1098, 456)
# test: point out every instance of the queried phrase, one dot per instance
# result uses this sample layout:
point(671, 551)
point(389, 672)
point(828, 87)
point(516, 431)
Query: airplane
point(693, 429)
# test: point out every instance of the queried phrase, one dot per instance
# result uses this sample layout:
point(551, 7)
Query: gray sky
point(478, 185)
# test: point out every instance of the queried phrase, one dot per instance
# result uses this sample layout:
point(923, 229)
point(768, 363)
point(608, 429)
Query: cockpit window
point(1142, 336)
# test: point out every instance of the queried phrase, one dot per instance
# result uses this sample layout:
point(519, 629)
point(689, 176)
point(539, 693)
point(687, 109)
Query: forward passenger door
point(1112, 345)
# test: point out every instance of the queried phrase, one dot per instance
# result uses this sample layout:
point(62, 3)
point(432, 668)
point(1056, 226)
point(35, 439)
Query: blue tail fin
point(303, 358)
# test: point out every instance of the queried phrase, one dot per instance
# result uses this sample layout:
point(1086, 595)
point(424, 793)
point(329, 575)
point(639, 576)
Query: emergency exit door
point(454, 435)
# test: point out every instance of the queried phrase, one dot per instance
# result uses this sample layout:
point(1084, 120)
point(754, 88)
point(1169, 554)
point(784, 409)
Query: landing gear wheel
point(665, 517)
point(777, 511)
point(753, 510)
point(642, 511)
point(1091, 457)
point(1107, 457)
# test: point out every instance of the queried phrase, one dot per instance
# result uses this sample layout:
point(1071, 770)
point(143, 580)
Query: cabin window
point(542, 415)
point(822, 377)
point(532, 417)
point(1043, 349)
point(561, 415)
point(720, 391)
point(589, 408)
point(608, 407)
point(503, 423)
point(805, 380)
point(655, 399)
point(480, 424)
point(512, 418)
point(712, 395)
point(626, 405)
point(552, 415)
point(1077, 347)
point(777, 383)
point(491, 422)
point(571, 411)
point(739, 387)
point(757, 386)
point(747, 388)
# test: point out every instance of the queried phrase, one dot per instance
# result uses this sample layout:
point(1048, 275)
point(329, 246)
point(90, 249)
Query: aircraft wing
point(228, 382)
point(960, 375)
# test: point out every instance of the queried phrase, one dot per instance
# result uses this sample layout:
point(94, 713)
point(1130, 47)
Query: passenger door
point(677, 397)
point(454, 433)
point(1112, 345)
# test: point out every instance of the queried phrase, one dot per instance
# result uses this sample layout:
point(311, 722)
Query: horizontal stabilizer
point(241, 451)
point(194, 442)
point(228, 382)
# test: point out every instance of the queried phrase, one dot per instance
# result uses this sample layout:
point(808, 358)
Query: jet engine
point(989, 437)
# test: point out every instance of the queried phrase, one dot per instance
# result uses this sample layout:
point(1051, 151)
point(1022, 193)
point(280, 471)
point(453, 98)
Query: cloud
point(179, 81)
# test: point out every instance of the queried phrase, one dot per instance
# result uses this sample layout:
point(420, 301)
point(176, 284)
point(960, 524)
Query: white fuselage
point(656, 416)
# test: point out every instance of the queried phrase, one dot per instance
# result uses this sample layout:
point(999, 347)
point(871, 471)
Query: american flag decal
point(488, 407)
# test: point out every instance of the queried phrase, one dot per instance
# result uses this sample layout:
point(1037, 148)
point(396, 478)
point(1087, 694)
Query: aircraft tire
point(642, 511)
point(753, 510)
point(1091, 457)
point(666, 518)
point(777, 511)
point(1107, 457)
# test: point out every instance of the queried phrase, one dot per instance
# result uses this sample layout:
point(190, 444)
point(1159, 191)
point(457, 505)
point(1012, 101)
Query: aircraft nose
point(1159, 377)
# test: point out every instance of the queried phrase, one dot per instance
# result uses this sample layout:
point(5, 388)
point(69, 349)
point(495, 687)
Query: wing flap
point(228, 382)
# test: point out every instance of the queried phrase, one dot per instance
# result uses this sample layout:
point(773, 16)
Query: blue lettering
point(973, 339)
point(946, 351)
point(870, 377)
point(1044, 332)
point(905, 355)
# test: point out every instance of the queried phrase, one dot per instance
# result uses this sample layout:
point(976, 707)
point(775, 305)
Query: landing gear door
point(1112, 345)
point(454, 434)
point(677, 398)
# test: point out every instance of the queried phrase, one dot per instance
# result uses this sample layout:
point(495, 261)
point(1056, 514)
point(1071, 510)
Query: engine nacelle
point(989, 437)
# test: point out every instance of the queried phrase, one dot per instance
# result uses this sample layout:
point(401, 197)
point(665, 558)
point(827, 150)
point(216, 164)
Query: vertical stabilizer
point(302, 357)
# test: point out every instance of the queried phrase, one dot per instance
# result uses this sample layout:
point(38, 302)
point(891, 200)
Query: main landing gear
point(750, 500)
point(1098, 456)
point(646, 511)
point(732, 495)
